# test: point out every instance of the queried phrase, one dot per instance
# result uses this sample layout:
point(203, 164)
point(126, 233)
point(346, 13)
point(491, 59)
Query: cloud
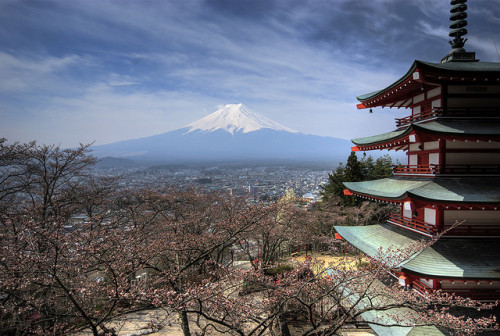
point(107, 71)
point(37, 73)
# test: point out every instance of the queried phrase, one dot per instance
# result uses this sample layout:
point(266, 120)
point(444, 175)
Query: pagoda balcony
point(421, 288)
point(473, 293)
point(405, 121)
point(484, 112)
point(412, 224)
point(476, 169)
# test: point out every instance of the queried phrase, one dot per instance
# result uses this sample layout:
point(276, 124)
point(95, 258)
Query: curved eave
point(472, 190)
point(431, 74)
point(381, 141)
point(378, 94)
point(468, 258)
point(450, 258)
point(479, 129)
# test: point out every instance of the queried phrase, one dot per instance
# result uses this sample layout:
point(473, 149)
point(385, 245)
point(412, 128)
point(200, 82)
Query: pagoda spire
point(457, 16)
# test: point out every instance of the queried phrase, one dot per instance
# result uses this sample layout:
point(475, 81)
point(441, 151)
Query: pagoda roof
point(466, 190)
point(387, 317)
point(431, 73)
point(443, 126)
point(448, 258)
point(386, 321)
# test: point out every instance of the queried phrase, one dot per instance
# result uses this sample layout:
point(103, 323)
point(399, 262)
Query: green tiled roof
point(464, 126)
point(469, 258)
point(442, 126)
point(377, 298)
point(449, 68)
point(461, 66)
point(380, 138)
point(374, 239)
point(443, 189)
point(386, 188)
point(397, 331)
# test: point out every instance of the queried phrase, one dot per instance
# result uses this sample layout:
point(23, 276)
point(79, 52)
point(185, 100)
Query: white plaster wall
point(431, 145)
point(417, 110)
point(436, 103)
point(434, 92)
point(413, 160)
point(414, 146)
point(418, 99)
point(434, 158)
point(430, 216)
point(429, 282)
point(407, 210)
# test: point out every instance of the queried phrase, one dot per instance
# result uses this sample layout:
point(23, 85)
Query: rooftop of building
point(446, 127)
point(458, 70)
point(467, 190)
point(448, 258)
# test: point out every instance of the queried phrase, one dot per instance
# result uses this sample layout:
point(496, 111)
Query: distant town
point(260, 183)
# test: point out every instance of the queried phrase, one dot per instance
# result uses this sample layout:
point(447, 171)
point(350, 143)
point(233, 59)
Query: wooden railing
point(420, 287)
point(473, 293)
point(449, 112)
point(415, 169)
point(418, 117)
point(447, 169)
point(409, 223)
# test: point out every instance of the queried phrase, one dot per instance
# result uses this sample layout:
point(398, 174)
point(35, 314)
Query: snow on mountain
point(234, 132)
point(235, 118)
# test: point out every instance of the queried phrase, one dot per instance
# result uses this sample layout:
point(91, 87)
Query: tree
point(325, 298)
point(56, 278)
point(354, 171)
point(381, 169)
point(55, 273)
point(172, 248)
point(189, 240)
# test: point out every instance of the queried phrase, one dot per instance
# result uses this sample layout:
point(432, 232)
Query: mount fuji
point(233, 132)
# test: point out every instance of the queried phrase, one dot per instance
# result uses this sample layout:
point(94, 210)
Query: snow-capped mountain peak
point(235, 118)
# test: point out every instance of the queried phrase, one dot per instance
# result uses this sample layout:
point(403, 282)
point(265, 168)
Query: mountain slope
point(231, 133)
point(236, 118)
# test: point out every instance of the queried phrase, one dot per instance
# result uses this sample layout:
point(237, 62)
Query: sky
point(101, 71)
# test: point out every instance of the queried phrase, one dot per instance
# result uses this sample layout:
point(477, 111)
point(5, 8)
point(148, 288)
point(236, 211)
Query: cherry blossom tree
point(55, 272)
point(172, 248)
point(327, 297)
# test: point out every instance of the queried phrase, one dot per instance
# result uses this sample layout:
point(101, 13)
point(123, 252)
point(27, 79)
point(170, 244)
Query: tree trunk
point(284, 330)
point(184, 323)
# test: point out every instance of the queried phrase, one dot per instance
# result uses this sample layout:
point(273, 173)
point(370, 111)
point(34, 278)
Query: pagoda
point(452, 140)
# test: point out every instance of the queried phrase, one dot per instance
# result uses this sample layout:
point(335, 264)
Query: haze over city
point(105, 71)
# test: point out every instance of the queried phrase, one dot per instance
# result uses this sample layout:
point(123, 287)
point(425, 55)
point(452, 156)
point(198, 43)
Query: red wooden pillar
point(440, 218)
point(442, 154)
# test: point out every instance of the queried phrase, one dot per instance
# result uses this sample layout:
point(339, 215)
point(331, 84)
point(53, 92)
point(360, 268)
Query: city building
point(452, 140)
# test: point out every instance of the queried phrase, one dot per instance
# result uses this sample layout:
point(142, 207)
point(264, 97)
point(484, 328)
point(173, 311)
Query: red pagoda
point(452, 140)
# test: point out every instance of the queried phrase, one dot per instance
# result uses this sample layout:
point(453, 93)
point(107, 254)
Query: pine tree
point(381, 169)
point(355, 171)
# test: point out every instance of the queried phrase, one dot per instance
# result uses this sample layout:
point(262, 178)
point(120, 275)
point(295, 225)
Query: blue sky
point(93, 70)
